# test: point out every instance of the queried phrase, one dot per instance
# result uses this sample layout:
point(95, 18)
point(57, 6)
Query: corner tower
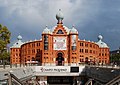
point(46, 42)
point(15, 51)
point(103, 51)
point(74, 47)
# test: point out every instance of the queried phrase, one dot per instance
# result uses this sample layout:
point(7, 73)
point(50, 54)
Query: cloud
point(30, 15)
point(90, 17)
point(32, 12)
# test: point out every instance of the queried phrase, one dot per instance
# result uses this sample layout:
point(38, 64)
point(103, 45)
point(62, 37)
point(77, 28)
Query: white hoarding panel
point(73, 40)
point(55, 69)
point(59, 43)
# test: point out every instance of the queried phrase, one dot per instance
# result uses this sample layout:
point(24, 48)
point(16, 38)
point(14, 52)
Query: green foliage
point(115, 57)
point(4, 40)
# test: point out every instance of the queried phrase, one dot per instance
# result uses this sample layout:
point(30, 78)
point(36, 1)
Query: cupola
point(18, 43)
point(101, 43)
point(59, 17)
point(73, 30)
point(19, 37)
point(46, 30)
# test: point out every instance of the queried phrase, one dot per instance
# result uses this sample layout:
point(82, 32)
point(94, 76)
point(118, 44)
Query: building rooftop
point(18, 43)
point(101, 43)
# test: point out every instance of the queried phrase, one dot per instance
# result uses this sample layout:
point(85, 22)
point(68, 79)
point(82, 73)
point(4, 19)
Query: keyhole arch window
point(60, 32)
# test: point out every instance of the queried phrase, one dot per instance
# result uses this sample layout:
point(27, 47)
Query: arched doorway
point(60, 59)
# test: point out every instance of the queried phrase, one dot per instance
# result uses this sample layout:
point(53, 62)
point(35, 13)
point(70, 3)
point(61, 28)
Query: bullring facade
point(59, 46)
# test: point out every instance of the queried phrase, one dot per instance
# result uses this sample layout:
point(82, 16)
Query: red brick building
point(59, 46)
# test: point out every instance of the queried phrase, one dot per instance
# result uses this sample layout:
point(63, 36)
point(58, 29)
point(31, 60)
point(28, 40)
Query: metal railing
point(13, 66)
point(89, 82)
point(22, 65)
point(13, 79)
point(114, 81)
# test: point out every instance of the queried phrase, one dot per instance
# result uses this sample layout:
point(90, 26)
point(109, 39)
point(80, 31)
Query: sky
point(90, 17)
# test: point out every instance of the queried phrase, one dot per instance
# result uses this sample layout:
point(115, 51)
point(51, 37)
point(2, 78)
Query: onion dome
point(101, 43)
point(100, 37)
point(59, 17)
point(18, 43)
point(19, 37)
point(46, 30)
point(73, 30)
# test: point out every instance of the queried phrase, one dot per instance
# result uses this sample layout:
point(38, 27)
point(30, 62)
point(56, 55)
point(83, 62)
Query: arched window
point(60, 31)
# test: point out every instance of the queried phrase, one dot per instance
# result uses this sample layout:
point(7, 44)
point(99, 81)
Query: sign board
point(74, 69)
point(59, 43)
point(58, 69)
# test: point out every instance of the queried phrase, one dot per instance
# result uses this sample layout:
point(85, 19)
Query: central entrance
point(60, 59)
point(60, 80)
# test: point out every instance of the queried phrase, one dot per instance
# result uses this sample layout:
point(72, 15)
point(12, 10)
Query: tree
point(4, 41)
point(115, 58)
